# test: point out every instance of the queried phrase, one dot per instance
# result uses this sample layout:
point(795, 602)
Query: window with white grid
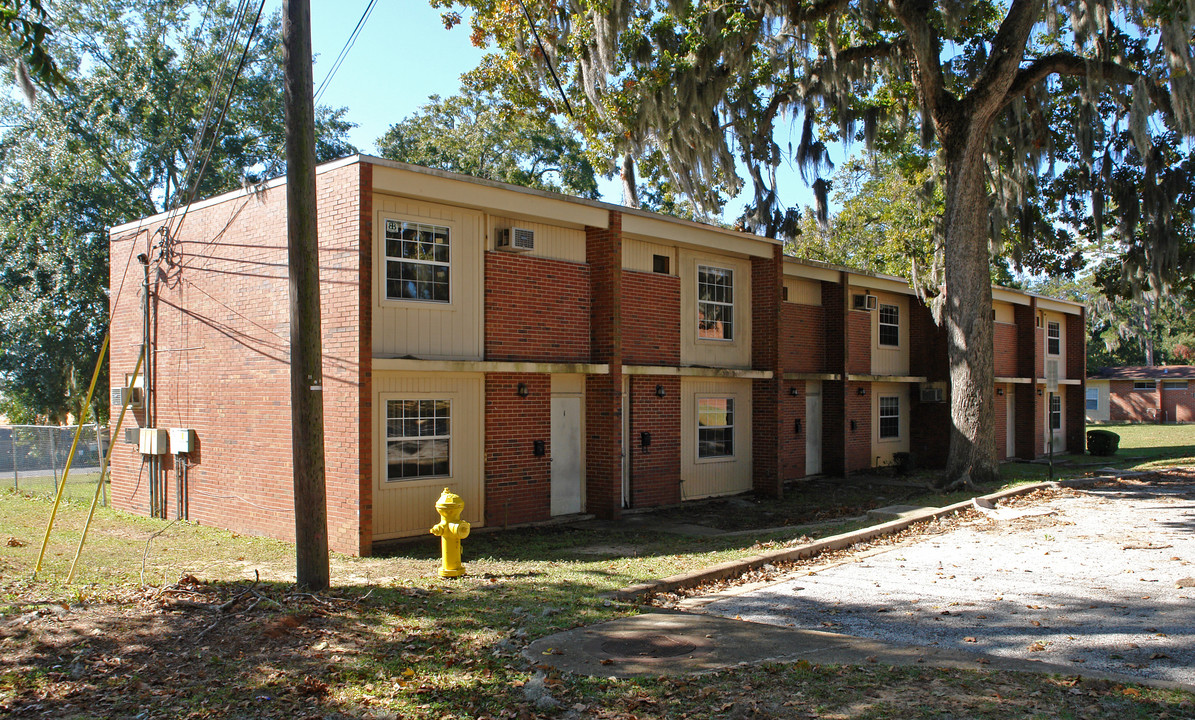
point(418, 437)
point(715, 303)
point(417, 261)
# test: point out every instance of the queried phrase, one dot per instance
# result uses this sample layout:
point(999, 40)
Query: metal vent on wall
point(931, 394)
point(515, 239)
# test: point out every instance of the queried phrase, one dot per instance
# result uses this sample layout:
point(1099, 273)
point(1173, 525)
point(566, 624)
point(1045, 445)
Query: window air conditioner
point(516, 239)
point(864, 302)
point(121, 395)
point(930, 394)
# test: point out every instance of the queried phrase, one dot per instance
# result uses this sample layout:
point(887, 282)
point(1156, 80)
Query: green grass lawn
point(402, 642)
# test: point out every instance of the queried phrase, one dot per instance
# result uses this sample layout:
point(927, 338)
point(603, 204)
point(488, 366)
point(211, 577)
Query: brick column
point(1030, 426)
point(603, 393)
point(766, 291)
point(365, 360)
point(1076, 367)
point(834, 391)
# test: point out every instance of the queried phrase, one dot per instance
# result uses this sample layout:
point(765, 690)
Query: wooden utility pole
point(306, 355)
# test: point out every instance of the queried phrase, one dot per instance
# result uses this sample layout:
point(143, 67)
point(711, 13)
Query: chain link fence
point(33, 457)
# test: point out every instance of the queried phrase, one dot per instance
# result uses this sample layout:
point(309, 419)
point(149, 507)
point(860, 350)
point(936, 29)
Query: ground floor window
point(1093, 398)
point(418, 433)
point(1055, 412)
point(715, 427)
point(889, 417)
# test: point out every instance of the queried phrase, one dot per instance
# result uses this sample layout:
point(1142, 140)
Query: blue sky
point(403, 55)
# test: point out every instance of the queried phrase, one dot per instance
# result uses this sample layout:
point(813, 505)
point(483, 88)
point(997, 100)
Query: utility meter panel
point(182, 440)
point(153, 441)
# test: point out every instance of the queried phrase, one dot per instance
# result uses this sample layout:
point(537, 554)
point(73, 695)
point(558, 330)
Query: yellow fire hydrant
point(451, 530)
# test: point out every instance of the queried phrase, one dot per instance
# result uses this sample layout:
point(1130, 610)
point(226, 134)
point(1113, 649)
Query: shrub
point(903, 462)
point(1102, 442)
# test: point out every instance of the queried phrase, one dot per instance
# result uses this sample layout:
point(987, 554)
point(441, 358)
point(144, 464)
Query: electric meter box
point(153, 441)
point(182, 440)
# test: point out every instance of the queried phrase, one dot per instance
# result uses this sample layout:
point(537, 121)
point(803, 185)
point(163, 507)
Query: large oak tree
point(704, 83)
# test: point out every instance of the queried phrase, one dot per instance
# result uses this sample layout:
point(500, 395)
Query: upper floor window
point(1093, 398)
point(417, 261)
point(715, 427)
point(715, 303)
point(890, 325)
point(889, 417)
point(418, 433)
point(1144, 385)
point(1053, 338)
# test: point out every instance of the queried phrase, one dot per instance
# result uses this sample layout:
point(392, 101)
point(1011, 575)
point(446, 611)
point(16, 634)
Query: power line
point(344, 51)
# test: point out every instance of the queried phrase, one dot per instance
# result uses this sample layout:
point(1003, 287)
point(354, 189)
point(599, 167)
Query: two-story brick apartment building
point(541, 355)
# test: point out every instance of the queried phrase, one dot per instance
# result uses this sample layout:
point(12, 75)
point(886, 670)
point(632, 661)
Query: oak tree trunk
point(968, 311)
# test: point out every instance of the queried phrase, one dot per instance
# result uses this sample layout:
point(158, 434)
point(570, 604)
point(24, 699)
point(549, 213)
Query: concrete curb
point(734, 568)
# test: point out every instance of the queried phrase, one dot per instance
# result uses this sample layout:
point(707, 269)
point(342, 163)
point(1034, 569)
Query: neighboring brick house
point(1154, 394)
point(539, 354)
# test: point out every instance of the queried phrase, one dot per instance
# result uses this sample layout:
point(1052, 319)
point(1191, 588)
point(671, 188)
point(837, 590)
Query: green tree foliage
point(479, 134)
point(123, 139)
point(23, 25)
point(705, 84)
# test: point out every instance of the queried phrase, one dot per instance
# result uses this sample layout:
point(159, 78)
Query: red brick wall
point(766, 287)
point(858, 440)
point(1128, 405)
point(1178, 405)
point(655, 470)
point(518, 485)
point(803, 338)
point(834, 311)
point(859, 337)
point(651, 319)
point(928, 356)
point(1005, 339)
point(929, 440)
point(792, 443)
point(603, 254)
point(536, 309)
point(222, 340)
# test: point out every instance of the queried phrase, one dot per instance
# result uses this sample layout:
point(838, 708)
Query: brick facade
point(221, 339)
point(517, 482)
point(546, 320)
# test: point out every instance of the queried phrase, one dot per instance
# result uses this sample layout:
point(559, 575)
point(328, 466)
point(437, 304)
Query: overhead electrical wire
point(344, 51)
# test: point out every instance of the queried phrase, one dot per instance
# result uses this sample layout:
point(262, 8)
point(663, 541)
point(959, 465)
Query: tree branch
point(858, 53)
point(816, 11)
point(1008, 48)
point(926, 49)
point(1075, 66)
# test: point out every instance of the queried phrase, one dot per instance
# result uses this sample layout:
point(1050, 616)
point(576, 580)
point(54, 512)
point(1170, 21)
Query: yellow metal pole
point(104, 468)
point(95, 377)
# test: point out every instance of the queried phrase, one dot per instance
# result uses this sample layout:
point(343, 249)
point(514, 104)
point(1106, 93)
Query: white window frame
point(880, 319)
point(388, 439)
point(728, 328)
point(1053, 337)
point(730, 410)
point(387, 259)
point(1093, 396)
point(1055, 415)
point(881, 416)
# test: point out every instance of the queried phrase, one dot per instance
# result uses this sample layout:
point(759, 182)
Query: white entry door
point(813, 428)
point(566, 455)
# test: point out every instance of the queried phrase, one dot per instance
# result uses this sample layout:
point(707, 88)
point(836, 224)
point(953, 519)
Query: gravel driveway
point(1100, 579)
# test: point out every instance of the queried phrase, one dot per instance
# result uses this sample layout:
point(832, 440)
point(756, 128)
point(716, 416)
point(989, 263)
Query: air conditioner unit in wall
point(864, 302)
point(515, 239)
point(121, 394)
point(931, 394)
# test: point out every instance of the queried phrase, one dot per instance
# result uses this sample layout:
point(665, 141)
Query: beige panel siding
point(734, 353)
point(568, 384)
point(638, 255)
point(885, 359)
point(407, 507)
point(551, 241)
point(804, 292)
point(1004, 312)
point(1103, 412)
point(709, 477)
point(883, 450)
point(429, 330)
